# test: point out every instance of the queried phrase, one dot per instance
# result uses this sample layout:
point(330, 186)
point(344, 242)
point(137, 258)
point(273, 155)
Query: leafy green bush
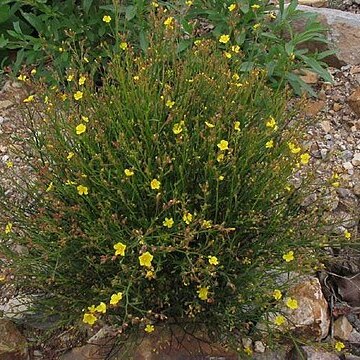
point(66, 33)
point(164, 195)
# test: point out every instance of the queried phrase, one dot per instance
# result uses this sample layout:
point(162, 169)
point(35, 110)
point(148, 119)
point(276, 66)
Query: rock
point(343, 34)
point(311, 318)
point(326, 126)
point(4, 104)
point(314, 3)
point(337, 106)
point(171, 342)
point(314, 107)
point(354, 101)
point(13, 345)
point(356, 159)
point(342, 328)
point(17, 307)
point(354, 337)
point(99, 347)
point(259, 347)
point(349, 289)
point(310, 353)
point(347, 165)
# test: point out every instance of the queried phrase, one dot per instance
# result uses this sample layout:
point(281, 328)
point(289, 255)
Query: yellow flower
point(289, 256)
point(235, 49)
point(155, 184)
point(213, 260)
point(8, 228)
point(70, 155)
point(145, 259)
point(120, 249)
point(106, 18)
point(277, 294)
point(81, 128)
point(29, 99)
point(188, 2)
point(206, 224)
point(68, 182)
point(82, 80)
point(347, 234)
point(221, 178)
point(178, 128)
point(89, 319)
point(279, 320)
point(255, 6)
point(33, 72)
point(168, 222)
point(227, 55)
point(70, 78)
point(293, 148)
point(248, 350)
point(223, 145)
point(149, 328)
point(78, 95)
point(237, 125)
point(129, 172)
point(224, 39)
point(304, 158)
point(9, 164)
point(169, 104)
point(101, 308)
point(220, 157)
point(256, 26)
point(50, 187)
point(292, 304)
point(339, 346)
point(169, 22)
point(209, 125)
point(271, 123)
point(82, 190)
point(154, 4)
point(21, 77)
point(187, 217)
point(203, 293)
point(232, 7)
point(115, 298)
point(235, 77)
point(63, 97)
point(269, 144)
point(123, 45)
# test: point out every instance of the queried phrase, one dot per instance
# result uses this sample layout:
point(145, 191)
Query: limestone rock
point(354, 101)
point(311, 318)
point(342, 328)
point(13, 345)
point(343, 34)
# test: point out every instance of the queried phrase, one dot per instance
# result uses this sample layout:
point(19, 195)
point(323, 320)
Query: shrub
point(164, 195)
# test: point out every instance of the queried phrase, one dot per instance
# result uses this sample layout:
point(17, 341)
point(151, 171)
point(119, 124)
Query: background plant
point(166, 194)
point(64, 33)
